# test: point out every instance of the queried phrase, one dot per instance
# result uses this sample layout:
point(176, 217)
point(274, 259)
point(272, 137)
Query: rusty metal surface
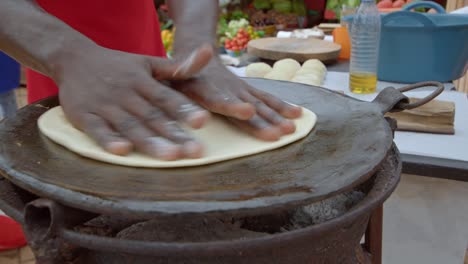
point(334, 241)
point(349, 142)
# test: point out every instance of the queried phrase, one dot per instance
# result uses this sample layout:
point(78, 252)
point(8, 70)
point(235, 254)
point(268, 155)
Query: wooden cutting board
point(294, 48)
point(436, 117)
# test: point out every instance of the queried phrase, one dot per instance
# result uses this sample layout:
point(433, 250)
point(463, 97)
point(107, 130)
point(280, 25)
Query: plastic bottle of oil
point(365, 40)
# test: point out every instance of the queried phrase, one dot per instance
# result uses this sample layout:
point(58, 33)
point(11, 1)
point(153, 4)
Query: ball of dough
point(305, 81)
point(257, 70)
point(312, 70)
point(315, 73)
point(284, 70)
point(279, 75)
point(311, 79)
point(314, 63)
point(287, 64)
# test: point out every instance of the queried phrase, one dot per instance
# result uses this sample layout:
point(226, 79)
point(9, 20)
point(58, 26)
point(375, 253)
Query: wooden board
point(434, 117)
point(294, 48)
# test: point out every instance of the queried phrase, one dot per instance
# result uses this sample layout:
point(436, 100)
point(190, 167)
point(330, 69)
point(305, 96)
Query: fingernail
point(193, 150)
point(288, 127)
point(245, 111)
point(197, 119)
point(269, 133)
point(162, 148)
point(119, 147)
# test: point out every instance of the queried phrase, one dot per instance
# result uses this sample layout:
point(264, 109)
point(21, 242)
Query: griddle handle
point(393, 100)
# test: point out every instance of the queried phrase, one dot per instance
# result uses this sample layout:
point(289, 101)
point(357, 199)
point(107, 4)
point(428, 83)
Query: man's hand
point(256, 112)
point(217, 89)
point(115, 98)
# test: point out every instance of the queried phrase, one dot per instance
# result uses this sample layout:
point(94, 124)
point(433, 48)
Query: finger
point(175, 105)
point(144, 140)
point(217, 101)
point(164, 69)
point(158, 121)
point(285, 109)
point(258, 127)
point(286, 126)
point(106, 137)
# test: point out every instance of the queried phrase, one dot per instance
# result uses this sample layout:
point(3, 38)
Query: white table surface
point(453, 147)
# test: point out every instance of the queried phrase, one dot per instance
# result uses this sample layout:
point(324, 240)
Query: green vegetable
point(222, 27)
point(299, 8)
point(352, 3)
point(283, 6)
point(168, 25)
point(332, 4)
point(261, 4)
point(336, 5)
point(238, 14)
point(235, 25)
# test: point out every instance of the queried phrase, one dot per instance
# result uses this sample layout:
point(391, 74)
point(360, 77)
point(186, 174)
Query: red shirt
point(125, 25)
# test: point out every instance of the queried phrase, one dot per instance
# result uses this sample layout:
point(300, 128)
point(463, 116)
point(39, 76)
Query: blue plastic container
point(418, 47)
point(9, 73)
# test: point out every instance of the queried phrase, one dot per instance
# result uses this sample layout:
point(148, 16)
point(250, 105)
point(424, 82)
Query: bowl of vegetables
point(235, 52)
point(236, 46)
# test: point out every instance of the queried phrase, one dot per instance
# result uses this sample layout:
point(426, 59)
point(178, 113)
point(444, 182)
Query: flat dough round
point(222, 141)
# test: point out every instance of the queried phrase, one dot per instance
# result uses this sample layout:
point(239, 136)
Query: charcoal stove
point(309, 202)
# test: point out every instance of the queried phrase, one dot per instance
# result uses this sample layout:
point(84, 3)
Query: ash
point(323, 211)
point(211, 228)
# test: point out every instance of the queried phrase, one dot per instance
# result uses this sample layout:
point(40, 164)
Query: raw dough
point(257, 70)
point(312, 72)
point(278, 75)
point(222, 141)
point(287, 64)
point(309, 79)
point(283, 70)
point(314, 64)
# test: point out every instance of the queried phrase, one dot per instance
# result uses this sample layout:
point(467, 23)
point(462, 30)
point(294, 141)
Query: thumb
point(166, 69)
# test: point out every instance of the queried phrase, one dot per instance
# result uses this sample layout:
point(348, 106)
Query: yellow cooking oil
point(363, 82)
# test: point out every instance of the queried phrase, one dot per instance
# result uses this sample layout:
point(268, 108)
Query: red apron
point(124, 25)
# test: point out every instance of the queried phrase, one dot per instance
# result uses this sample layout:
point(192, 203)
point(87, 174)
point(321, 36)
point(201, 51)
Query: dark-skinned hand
point(256, 112)
point(120, 100)
point(116, 99)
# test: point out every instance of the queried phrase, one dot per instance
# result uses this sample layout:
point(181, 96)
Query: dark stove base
point(59, 234)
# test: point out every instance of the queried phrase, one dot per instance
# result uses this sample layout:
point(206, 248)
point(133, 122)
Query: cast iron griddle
point(350, 140)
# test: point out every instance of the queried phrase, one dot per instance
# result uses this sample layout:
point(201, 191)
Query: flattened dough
point(222, 141)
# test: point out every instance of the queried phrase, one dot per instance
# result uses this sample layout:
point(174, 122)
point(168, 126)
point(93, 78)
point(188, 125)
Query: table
point(440, 156)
